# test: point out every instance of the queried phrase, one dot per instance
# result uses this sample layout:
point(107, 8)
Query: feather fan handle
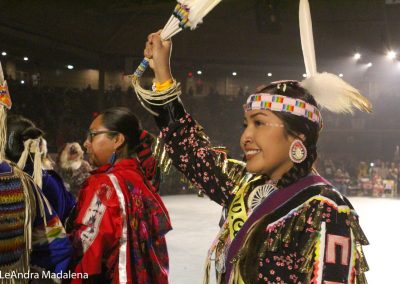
point(307, 39)
point(334, 94)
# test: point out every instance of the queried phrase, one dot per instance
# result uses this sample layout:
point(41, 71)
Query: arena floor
point(195, 223)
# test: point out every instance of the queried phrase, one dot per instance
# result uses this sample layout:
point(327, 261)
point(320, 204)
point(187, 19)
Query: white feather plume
point(334, 94)
point(199, 9)
point(329, 90)
point(307, 38)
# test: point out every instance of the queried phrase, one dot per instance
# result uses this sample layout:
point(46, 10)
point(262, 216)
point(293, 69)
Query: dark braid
point(295, 126)
point(298, 170)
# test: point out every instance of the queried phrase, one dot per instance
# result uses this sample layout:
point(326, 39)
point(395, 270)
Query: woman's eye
point(258, 123)
point(244, 125)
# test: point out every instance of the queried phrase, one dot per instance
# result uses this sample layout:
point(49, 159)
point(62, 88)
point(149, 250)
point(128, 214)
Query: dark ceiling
point(95, 33)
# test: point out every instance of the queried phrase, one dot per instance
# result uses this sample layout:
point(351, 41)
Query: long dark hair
point(296, 125)
point(122, 120)
point(137, 140)
point(19, 129)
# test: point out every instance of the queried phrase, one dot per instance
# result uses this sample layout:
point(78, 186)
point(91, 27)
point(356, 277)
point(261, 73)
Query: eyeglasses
point(91, 134)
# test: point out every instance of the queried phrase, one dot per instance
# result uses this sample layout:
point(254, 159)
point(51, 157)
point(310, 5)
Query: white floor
point(195, 223)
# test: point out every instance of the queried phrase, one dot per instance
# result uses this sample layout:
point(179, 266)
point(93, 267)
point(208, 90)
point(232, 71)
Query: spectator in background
point(329, 169)
point(363, 170)
point(190, 91)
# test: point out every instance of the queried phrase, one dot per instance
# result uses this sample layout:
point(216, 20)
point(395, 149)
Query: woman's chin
point(253, 168)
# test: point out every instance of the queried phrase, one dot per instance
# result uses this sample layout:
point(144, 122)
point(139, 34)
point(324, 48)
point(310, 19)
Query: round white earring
point(297, 151)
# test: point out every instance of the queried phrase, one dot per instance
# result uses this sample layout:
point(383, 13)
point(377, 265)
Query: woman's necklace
point(259, 193)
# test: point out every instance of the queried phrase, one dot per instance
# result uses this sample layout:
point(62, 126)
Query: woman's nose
point(246, 137)
point(246, 140)
point(86, 143)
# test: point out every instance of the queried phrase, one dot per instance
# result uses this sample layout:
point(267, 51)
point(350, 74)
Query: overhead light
point(391, 55)
point(199, 72)
point(304, 75)
point(22, 82)
point(4, 53)
point(341, 75)
point(357, 56)
point(70, 67)
point(26, 58)
point(234, 74)
point(369, 64)
point(269, 74)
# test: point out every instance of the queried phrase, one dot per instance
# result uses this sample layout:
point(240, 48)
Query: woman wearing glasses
point(120, 224)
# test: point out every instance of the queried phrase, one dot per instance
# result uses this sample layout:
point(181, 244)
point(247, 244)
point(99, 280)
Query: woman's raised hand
point(159, 52)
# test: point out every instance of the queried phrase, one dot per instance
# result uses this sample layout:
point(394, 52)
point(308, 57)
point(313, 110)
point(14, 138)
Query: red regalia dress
point(120, 226)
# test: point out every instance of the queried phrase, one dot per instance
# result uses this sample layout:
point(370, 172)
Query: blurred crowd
point(65, 114)
point(377, 178)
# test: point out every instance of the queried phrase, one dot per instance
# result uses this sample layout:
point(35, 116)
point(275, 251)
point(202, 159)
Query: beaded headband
point(266, 101)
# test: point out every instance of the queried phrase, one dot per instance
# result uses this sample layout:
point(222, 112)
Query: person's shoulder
point(6, 168)
point(97, 178)
point(130, 169)
point(10, 173)
point(101, 186)
point(331, 193)
point(326, 198)
point(52, 175)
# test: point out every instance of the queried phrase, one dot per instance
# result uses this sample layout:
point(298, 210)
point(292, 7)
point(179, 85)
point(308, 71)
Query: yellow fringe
point(161, 155)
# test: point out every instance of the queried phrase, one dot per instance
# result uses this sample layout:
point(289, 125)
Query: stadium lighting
point(357, 56)
point(22, 82)
point(4, 53)
point(304, 75)
point(26, 58)
point(269, 74)
point(70, 67)
point(391, 55)
point(341, 75)
point(234, 74)
point(199, 72)
point(369, 64)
